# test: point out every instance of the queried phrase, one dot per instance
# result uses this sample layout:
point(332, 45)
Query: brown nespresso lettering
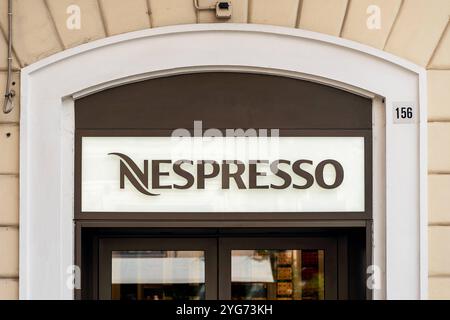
point(228, 170)
point(202, 175)
point(184, 174)
point(254, 174)
point(157, 173)
point(134, 175)
point(275, 168)
point(339, 174)
point(302, 173)
point(237, 176)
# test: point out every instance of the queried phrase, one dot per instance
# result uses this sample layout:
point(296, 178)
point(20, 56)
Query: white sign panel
point(222, 174)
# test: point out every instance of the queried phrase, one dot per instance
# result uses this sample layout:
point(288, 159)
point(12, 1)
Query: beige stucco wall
point(417, 30)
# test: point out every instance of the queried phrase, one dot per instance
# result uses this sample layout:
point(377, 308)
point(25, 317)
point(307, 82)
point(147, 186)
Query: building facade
point(93, 194)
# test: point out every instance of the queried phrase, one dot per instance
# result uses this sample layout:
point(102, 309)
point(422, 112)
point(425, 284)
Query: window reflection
point(277, 275)
point(158, 275)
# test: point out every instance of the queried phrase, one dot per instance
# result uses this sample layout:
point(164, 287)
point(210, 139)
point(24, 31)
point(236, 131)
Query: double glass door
point(218, 268)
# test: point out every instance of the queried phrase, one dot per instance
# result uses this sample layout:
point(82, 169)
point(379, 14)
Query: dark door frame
point(89, 233)
point(337, 258)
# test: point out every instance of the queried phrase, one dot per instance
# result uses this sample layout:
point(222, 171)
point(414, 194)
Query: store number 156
point(404, 113)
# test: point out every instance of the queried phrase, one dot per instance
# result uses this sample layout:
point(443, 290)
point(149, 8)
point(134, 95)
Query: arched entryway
point(48, 133)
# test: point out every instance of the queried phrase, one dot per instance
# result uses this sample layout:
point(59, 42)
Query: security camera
point(223, 10)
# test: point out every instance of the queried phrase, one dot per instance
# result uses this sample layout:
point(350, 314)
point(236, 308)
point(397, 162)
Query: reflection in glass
point(277, 274)
point(158, 275)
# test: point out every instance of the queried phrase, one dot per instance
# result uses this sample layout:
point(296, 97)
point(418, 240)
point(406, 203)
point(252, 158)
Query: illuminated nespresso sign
point(162, 174)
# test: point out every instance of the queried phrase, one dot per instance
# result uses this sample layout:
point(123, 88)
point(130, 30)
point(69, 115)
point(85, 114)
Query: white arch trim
point(50, 86)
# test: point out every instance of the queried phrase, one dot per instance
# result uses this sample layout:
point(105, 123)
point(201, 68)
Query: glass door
point(278, 268)
point(158, 269)
point(247, 268)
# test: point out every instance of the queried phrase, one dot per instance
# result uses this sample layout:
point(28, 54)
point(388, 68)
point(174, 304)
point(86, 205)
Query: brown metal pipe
point(8, 105)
